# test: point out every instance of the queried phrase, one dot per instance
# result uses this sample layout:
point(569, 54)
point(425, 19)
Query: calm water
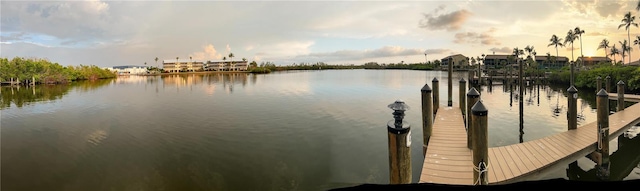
point(298, 130)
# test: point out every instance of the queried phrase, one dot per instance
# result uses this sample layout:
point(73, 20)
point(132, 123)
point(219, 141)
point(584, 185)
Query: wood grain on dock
point(448, 160)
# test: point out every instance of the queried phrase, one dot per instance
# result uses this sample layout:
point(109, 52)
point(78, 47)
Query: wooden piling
point(450, 85)
point(472, 97)
point(602, 103)
point(427, 116)
point(607, 83)
point(572, 115)
point(461, 95)
point(436, 95)
point(572, 76)
point(480, 145)
point(620, 95)
point(399, 136)
point(480, 82)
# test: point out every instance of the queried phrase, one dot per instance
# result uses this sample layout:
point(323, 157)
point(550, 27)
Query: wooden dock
point(627, 97)
point(449, 161)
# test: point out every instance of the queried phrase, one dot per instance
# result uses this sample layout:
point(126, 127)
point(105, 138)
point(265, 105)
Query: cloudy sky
point(109, 33)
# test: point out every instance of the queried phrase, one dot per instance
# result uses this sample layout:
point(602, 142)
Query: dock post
point(480, 144)
point(620, 95)
point(472, 97)
point(461, 96)
point(480, 82)
point(436, 95)
point(602, 103)
point(607, 84)
point(598, 84)
point(450, 85)
point(572, 115)
point(427, 117)
point(399, 132)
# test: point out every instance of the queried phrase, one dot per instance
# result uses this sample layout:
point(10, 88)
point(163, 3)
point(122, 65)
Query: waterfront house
point(458, 61)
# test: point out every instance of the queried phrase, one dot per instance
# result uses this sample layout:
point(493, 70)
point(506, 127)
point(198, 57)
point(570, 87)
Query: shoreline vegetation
point(42, 71)
point(46, 72)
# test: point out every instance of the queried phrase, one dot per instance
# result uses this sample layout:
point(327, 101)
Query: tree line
point(46, 72)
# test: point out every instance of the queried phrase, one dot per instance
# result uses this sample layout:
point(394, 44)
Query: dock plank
point(449, 161)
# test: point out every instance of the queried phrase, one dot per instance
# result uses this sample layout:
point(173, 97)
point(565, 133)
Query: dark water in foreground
point(298, 130)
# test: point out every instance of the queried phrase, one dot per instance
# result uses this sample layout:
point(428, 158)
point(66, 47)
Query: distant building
point(496, 61)
point(634, 63)
point(592, 60)
point(210, 65)
point(128, 70)
point(458, 61)
point(551, 61)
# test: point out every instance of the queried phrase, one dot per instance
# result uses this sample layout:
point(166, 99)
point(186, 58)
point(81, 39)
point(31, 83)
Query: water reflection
point(227, 80)
point(25, 95)
point(624, 160)
point(297, 130)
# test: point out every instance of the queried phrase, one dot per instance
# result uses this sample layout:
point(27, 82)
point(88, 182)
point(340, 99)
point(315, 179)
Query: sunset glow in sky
point(110, 33)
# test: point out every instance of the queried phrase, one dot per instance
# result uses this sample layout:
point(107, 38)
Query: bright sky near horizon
point(110, 33)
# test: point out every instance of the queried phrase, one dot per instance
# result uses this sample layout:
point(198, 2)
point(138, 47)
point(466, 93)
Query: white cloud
point(386, 51)
point(209, 52)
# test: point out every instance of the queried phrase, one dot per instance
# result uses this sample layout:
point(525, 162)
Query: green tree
point(579, 32)
point(627, 22)
point(614, 51)
point(626, 49)
point(637, 42)
point(555, 41)
point(231, 59)
point(224, 62)
point(604, 44)
point(571, 36)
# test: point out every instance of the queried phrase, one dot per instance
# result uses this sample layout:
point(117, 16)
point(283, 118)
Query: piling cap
point(426, 88)
point(435, 80)
point(572, 90)
point(608, 77)
point(620, 82)
point(462, 80)
point(473, 92)
point(399, 105)
point(598, 77)
point(479, 109)
point(602, 93)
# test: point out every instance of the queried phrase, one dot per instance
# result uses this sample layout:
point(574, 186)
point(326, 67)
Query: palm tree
point(626, 49)
point(571, 36)
point(604, 44)
point(627, 22)
point(224, 59)
point(177, 64)
point(614, 52)
point(579, 32)
point(529, 50)
point(231, 58)
point(556, 42)
point(637, 41)
point(157, 62)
